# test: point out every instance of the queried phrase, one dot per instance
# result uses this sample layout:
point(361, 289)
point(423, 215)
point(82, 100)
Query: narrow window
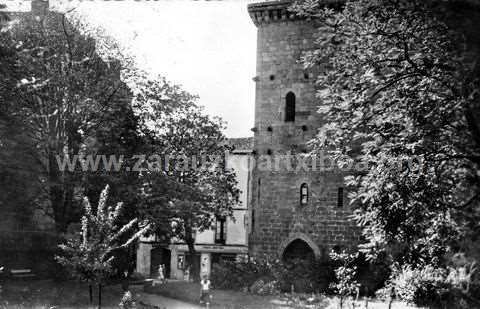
point(304, 194)
point(258, 190)
point(340, 197)
point(221, 231)
point(252, 228)
point(290, 107)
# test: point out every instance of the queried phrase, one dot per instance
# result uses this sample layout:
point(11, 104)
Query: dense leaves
point(398, 88)
point(64, 99)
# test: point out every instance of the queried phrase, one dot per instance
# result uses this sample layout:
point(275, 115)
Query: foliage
point(90, 257)
point(346, 274)
point(269, 276)
point(65, 99)
point(242, 275)
point(398, 84)
point(451, 287)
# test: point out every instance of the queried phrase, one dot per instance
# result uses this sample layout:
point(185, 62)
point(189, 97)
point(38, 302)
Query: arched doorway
point(298, 250)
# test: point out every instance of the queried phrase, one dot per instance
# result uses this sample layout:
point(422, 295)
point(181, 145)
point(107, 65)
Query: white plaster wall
point(236, 229)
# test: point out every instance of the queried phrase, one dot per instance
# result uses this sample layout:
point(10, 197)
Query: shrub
point(346, 283)
point(238, 275)
point(434, 287)
point(268, 276)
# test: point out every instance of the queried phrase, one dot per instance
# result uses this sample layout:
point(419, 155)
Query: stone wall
point(279, 218)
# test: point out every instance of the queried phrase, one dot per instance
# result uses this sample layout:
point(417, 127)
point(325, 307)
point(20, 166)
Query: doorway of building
point(195, 268)
point(159, 256)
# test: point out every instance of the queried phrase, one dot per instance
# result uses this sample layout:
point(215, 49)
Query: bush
point(240, 275)
point(346, 283)
point(268, 276)
point(433, 287)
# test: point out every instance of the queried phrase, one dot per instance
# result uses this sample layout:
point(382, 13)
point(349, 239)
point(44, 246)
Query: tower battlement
point(277, 11)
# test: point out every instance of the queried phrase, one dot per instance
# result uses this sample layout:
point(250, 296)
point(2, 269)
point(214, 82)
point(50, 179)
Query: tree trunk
point(90, 293)
point(99, 296)
point(56, 192)
point(191, 262)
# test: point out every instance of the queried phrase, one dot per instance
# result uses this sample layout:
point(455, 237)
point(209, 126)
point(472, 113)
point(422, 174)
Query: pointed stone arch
point(303, 237)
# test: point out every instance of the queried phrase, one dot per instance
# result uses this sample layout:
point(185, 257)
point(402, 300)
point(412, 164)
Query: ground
point(49, 294)
point(221, 299)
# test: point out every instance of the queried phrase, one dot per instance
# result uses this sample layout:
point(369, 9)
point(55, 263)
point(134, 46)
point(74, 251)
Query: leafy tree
point(398, 84)
point(66, 96)
point(90, 257)
point(59, 86)
point(188, 184)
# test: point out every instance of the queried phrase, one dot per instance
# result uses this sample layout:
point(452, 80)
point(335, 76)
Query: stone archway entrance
point(300, 255)
point(300, 246)
point(298, 250)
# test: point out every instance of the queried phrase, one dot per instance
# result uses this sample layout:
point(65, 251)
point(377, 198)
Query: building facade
point(226, 240)
point(297, 212)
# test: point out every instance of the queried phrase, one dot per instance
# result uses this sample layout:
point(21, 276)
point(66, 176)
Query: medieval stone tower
point(295, 214)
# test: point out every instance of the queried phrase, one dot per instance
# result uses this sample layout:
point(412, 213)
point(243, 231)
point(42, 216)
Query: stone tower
point(295, 213)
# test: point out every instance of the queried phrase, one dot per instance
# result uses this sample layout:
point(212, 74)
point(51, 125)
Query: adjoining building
point(227, 240)
point(296, 213)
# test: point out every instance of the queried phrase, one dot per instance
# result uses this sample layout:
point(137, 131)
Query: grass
point(41, 294)
point(221, 299)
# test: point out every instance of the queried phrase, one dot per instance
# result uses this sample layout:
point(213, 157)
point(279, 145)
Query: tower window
point(259, 190)
point(290, 107)
point(272, 77)
point(221, 230)
point(304, 194)
point(252, 228)
point(340, 197)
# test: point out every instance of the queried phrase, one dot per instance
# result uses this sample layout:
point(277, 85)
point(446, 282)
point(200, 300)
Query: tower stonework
point(295, 212)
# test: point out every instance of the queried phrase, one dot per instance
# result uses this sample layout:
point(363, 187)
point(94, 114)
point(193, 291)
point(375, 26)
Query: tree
point(398, 85)
point(90, 257)
point(58, 89)
point(66, 95)
point(190, 187)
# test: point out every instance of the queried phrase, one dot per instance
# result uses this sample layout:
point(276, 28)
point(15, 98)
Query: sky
point(208, 47)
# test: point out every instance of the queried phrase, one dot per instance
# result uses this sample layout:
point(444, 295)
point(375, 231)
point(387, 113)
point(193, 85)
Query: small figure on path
point(205, 291)
point(125, 281)
point(161, 273)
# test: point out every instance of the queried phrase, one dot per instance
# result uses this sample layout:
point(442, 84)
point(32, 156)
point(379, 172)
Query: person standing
point(161, 273)
point(205, 291)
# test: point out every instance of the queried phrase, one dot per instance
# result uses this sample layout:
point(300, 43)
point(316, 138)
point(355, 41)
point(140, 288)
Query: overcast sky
point(206, 46)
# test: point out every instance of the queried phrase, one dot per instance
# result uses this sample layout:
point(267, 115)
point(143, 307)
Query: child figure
point(161, 273)
point(205, 291)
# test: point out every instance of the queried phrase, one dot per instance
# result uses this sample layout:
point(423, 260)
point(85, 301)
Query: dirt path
point(164, 302)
